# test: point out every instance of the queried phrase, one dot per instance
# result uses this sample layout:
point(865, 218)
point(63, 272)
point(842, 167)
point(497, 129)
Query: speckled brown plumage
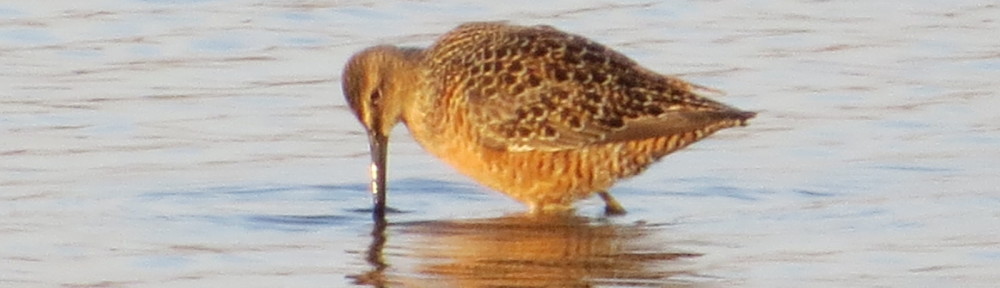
point(543, 116)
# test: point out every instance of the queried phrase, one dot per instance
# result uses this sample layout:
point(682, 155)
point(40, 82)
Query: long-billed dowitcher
point(543, 116)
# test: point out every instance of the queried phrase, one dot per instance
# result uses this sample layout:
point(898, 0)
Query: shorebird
point(544, 116)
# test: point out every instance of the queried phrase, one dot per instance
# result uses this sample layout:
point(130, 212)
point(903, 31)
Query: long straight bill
point(379, 146)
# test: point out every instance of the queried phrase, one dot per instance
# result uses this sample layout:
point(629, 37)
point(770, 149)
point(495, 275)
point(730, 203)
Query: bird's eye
point(375, 97)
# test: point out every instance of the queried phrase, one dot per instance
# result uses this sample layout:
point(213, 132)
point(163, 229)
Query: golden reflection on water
point(522, 251)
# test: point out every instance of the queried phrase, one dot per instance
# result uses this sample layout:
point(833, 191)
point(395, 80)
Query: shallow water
point(206, 143)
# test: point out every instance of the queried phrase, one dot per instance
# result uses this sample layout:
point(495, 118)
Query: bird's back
point(536, 88)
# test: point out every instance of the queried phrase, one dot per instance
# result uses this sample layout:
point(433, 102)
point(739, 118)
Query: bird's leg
point(612, 207)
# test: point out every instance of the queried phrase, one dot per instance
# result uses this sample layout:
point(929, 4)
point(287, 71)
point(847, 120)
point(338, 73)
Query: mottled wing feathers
point(536, 88)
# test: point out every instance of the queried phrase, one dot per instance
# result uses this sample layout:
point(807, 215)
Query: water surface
point(206, 143)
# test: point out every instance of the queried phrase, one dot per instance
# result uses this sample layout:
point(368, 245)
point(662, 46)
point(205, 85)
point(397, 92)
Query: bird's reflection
point(373, 256)
point(522, 251)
